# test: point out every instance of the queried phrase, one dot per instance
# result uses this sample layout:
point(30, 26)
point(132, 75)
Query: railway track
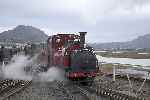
point(99, 91)
point(72, 91)
point(120, 90)
point(76, 91)
point(10, 87)
point(104, 93)
point(90, 93)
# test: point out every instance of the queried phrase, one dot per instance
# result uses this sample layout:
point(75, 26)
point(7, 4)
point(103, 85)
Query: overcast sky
point(104, 20)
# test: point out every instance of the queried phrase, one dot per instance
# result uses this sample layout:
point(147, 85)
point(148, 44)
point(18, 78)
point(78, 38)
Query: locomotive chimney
point(82, 39)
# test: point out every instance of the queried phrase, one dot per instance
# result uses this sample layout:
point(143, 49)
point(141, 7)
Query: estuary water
point(131, 61)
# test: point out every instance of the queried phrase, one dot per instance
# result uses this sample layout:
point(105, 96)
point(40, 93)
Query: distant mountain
point(139, 42)
point(23, 34)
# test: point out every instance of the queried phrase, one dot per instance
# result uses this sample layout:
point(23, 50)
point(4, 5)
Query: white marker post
point(3, 65)
point(114, 73)
point(2, 69)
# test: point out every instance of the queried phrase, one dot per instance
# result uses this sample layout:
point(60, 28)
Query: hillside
point(23, 34)
point(139, 42)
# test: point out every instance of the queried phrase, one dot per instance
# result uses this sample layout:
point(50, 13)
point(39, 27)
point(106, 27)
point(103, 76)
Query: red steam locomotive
point(69, 52)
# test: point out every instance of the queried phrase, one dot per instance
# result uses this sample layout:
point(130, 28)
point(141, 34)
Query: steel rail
point(13, 88)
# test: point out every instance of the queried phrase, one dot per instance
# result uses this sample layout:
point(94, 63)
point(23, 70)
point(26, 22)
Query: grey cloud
point(105, 20)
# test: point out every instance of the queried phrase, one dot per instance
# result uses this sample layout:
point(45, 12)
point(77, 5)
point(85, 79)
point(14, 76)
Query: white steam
point(52, 74)
point(15, 70)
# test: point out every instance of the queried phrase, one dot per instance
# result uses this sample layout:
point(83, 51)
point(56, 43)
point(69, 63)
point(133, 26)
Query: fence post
point(114, 73)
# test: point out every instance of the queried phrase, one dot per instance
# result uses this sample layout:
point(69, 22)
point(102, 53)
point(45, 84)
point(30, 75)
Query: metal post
point(3, 64)
point(130, 84)
point(114, 73)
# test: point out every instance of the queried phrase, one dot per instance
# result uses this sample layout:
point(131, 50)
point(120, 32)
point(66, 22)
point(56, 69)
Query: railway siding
point(120, 89)
point(69, 91)
point(115, 95)
point(10, 87)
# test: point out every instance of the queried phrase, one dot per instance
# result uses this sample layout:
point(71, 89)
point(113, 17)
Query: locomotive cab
point(83, 64)
point(83, 60)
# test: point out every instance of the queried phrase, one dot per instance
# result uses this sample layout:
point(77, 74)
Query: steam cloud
point(15, 70)
point(52, 74)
